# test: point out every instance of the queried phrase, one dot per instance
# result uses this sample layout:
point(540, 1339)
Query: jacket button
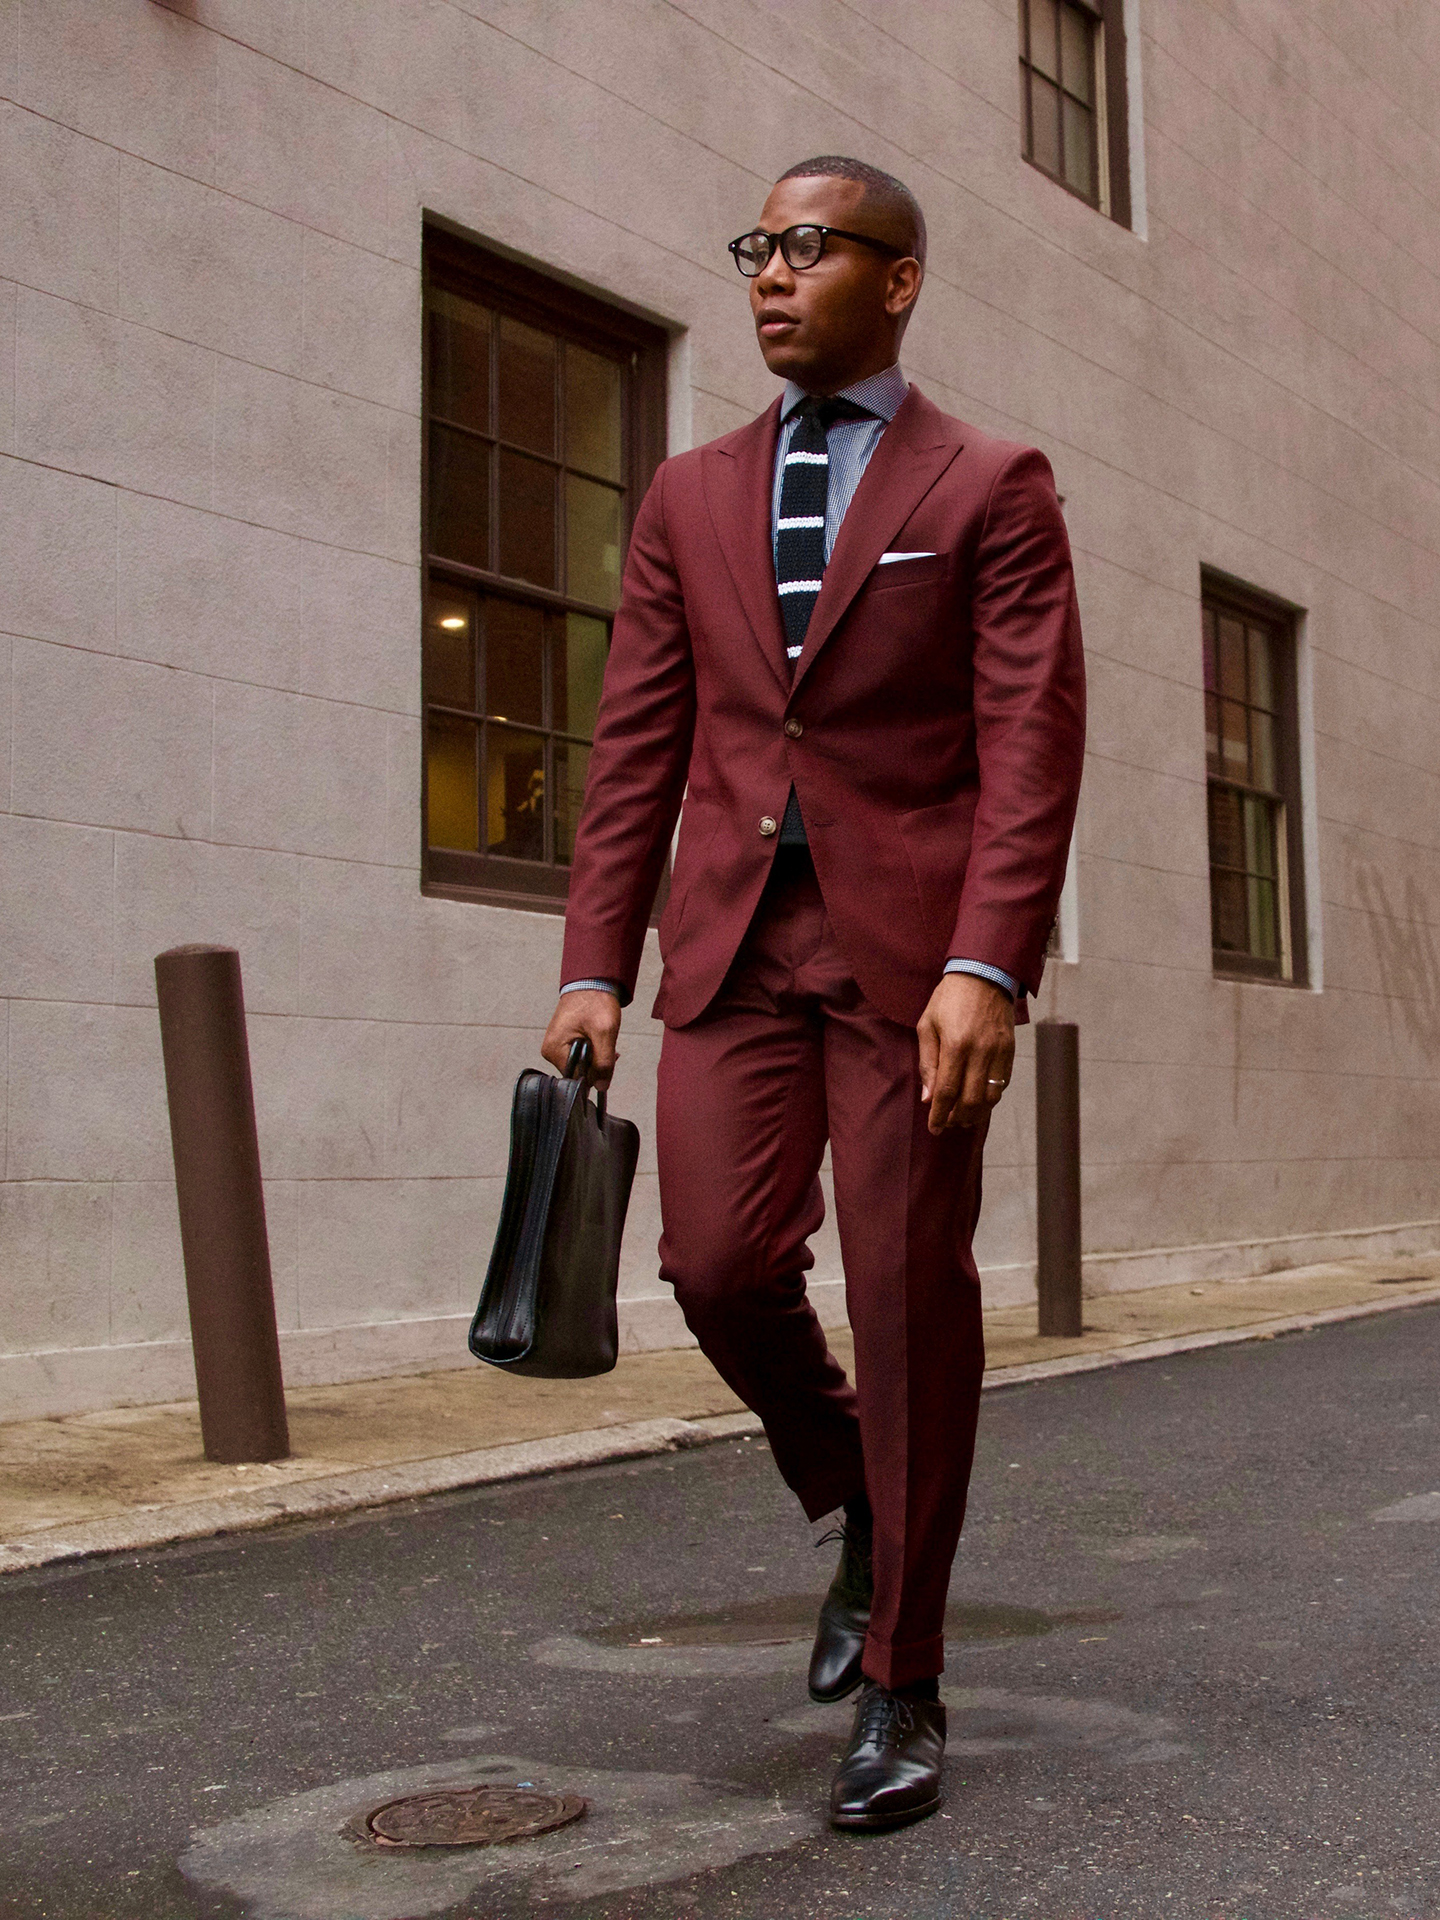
point(794, 728)
point(767, 825)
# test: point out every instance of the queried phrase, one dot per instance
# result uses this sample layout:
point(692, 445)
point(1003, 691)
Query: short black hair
point(884, 194)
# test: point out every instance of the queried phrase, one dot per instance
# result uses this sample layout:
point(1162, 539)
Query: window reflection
point(459, 344)
point(527, 386)
point(1059, 54)
point(454, 789)
point(528, 516)
point(528, 455)
point(515, 794)
point(1248, 820)
point(592, 413)
point(592, 542)
point(515, 663)
point(579, 671)
point(450, 648)
point(459, 497)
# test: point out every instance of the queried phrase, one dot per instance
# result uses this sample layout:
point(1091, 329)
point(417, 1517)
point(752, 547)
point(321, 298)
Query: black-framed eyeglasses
point(802, 247)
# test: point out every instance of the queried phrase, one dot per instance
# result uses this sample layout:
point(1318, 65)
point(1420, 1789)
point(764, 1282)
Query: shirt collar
point(881, 394)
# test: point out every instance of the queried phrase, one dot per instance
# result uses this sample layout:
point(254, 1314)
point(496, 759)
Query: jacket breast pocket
point(921, 572)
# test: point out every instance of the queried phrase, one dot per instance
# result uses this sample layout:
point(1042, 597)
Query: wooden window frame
point(1112, 116)
point(507, 287)
point(1226, 596)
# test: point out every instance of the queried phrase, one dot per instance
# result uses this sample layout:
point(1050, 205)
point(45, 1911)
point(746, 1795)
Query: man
point(849, 640)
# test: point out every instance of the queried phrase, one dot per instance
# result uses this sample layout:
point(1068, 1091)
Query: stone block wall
point(210, 226)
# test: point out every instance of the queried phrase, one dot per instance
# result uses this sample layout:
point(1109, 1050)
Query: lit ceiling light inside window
point(453, 621)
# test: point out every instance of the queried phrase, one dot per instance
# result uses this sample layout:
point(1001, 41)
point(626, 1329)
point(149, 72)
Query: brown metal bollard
point(222, 1204)
point(1057, 1176)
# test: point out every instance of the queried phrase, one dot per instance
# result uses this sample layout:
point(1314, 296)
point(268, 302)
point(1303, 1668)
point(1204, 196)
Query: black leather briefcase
point(548, 1304)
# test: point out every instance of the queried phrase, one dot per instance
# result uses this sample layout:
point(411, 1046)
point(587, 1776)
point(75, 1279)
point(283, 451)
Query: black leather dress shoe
point(891, 1771)
point(844, 1621)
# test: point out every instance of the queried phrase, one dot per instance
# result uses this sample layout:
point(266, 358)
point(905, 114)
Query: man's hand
point(967, 1049)
point(590, 1014)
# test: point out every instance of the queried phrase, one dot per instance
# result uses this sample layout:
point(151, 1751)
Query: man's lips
point(770, 324)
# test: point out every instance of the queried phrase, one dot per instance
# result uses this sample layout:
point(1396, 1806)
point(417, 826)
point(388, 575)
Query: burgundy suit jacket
point(933, 727)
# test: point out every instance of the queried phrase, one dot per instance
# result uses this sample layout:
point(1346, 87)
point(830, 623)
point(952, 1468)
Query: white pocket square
point(889, 559)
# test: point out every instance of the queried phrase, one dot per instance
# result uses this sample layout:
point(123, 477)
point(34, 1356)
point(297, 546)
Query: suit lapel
point(914, 450)
point(739, 481)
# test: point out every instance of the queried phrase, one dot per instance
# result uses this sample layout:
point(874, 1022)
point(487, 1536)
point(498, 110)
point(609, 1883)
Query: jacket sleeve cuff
point(997, 976)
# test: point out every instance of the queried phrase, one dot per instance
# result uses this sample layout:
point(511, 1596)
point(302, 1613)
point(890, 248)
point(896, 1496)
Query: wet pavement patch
point(755, 1637)
point(986, 1721)
point(296, 1859)
point(1148, 1546)
point(1420, 1506)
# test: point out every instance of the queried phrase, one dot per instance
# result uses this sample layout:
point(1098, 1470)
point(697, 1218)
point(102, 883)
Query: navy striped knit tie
point(800, 544)
point(800, 527)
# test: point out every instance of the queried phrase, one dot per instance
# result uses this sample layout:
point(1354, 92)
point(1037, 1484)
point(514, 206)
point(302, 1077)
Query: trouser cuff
point(898, 1666)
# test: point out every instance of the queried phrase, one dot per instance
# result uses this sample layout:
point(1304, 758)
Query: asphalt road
point(1193, 1673)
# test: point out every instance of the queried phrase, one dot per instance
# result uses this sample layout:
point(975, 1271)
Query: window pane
point(572, 762)
point(579, 669)
point(453, 794)
point(1044, 124)
point(1229, 920)
point(1264, 919)
point(459, 360)
point(1234, 750)
point(1077, 57)
point(1080, 148)
point(1044, 43)
point(449, 648)
point(459, 497)
point(1227, 830)
point(592, 541)
point(1260, 837)
point(592, 413)
point(1208, 631)
point(1262, 750)
point(528, 513)
point(514, 662)
point(1212, 735)
point(1232, 657)
point(1262, 678)
point(527, 386)
point(514, 794)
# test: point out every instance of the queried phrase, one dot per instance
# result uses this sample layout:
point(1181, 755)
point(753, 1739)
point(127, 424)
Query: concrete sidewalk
point(132, 1478)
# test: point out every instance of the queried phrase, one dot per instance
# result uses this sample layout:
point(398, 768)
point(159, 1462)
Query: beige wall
point(210, 223)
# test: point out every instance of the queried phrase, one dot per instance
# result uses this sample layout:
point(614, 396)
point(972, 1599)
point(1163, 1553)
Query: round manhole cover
point(471, 1816)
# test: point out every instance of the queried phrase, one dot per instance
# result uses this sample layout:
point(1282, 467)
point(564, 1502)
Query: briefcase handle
point(581, 1066)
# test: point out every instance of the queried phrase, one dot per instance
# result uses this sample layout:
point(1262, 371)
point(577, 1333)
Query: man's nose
point(777, 275)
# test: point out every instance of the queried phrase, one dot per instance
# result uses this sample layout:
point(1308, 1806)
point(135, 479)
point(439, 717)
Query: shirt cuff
point(600, 986)
point(995, 975)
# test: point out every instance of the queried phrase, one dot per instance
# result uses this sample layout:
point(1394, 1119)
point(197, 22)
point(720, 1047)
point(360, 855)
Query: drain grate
point(471, 1816)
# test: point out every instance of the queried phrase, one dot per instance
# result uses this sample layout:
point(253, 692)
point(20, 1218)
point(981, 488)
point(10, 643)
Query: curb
point(339, 1493)
point(1196, 1342)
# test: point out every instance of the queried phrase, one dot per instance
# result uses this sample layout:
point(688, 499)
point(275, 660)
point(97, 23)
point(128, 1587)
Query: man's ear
point(906, 278)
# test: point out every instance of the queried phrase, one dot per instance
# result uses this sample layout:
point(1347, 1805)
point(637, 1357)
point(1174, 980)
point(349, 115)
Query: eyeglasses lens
point(752, 253)
point(802, 245)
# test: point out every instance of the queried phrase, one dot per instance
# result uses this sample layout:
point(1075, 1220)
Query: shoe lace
point(882, 1713)
point(859, 1546)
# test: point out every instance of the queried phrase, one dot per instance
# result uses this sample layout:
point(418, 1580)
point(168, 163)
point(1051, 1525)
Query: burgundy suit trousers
point(788, 1055)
